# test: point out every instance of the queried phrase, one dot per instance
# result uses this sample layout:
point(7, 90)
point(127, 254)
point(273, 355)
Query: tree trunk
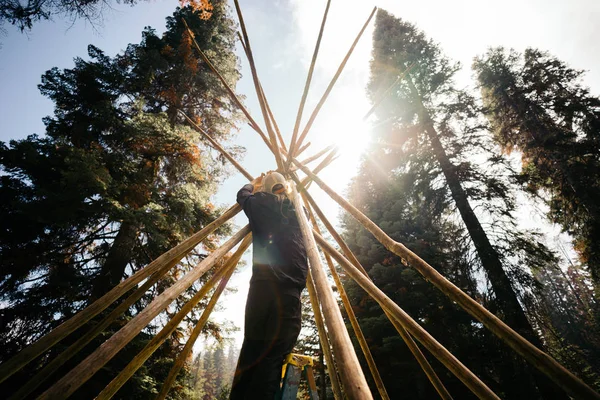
point(120, 254)
point(512, 312)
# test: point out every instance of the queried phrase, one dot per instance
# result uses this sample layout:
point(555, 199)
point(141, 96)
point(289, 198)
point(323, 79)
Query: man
point(279, 269)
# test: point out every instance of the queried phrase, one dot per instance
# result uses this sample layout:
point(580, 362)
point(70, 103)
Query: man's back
point(273, 310)
point(278, 249)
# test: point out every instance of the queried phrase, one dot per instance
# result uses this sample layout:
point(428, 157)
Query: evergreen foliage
point(434, 180)
point(117, 179)
point(24, 14)
point(212, 372)
point(537, 105)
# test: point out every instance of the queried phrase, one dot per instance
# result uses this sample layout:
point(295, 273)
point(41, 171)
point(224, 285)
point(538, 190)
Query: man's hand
point(257, 183)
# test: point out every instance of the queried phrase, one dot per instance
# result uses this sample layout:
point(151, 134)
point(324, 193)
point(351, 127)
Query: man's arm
point(244, 194)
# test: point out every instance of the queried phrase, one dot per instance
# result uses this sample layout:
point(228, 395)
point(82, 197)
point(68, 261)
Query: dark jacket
point(279, 255)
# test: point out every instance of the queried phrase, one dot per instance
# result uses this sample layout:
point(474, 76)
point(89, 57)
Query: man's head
point(274, 183)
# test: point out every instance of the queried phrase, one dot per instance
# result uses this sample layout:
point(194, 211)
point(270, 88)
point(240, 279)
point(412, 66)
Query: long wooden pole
point(73, 349)
point(304, 147)
point(268, 107)
point(274, 122)
point(325, 346)
point(324, 163)
point(410, 343)
point(293, 147)
point(88, 367)
point(353, 379)
point(362, 341)
point(230, 91)
point(258, 88)
point(314, 114)
point(313, 157)
point(573, 385)
point(181, 358)
point(217, 146)
point(57, 334)
point(439, 351)
point(111, 389)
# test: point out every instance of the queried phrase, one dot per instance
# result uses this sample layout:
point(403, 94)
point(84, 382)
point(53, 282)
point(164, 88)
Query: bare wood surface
point(258, 88)
point(304, 147)
point(420, 357)
point(293, 147)
point(88, 367)
point(60, 332)
point(273, 121)
point(218, 147)
point(230, 91)
point(282, 145)
point(362, 341)
point(439, 351)
point(182, 357)
point(353, 379)
point(314, 114)
point(111, 389)
point(325, 345)
point(322, 165)
point(313, 157)
point(73, 349)
point(573, 385)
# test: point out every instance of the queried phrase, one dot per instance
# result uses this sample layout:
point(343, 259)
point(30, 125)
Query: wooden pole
point(73, 349)
point(232, 94)
point(57, 334)
point(314, 114)
point(439, 351)
point(301, 149)
point(88, 367)
point(325, 346)
point(258, 88)
point(293, 146)
point(353, 379)
point(273, 121)
point(218, 147)
point(180, 361)
point(569, 382)
point(388, 90)
point(262, 93)
point(362, 341)
point(313, 157)
point(111, 389)
point(324, 163)
point(412, 346)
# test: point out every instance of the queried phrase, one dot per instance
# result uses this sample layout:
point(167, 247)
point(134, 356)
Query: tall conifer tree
point(117, 179)
point(430, 135)
point(537, 105)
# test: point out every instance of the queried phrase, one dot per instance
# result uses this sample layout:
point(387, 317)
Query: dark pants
point(272, 325)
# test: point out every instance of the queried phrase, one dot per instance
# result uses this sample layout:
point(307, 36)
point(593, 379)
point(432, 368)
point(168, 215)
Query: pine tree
point(537, 105)
point(209, 373)
point(409, 211)
point(568, 321)
point(25, 14)
point(436, 164)
point(117, 179)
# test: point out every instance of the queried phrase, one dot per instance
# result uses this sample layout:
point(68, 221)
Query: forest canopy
point(119, 177)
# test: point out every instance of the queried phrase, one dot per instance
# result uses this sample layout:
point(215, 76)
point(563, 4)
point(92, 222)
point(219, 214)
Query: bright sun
point(350, 134)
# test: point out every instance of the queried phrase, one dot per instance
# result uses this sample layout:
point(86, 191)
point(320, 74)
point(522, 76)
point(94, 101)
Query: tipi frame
point(344, 369)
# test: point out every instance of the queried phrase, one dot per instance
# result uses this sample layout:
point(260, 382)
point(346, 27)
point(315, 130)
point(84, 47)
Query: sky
point(282, 35)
